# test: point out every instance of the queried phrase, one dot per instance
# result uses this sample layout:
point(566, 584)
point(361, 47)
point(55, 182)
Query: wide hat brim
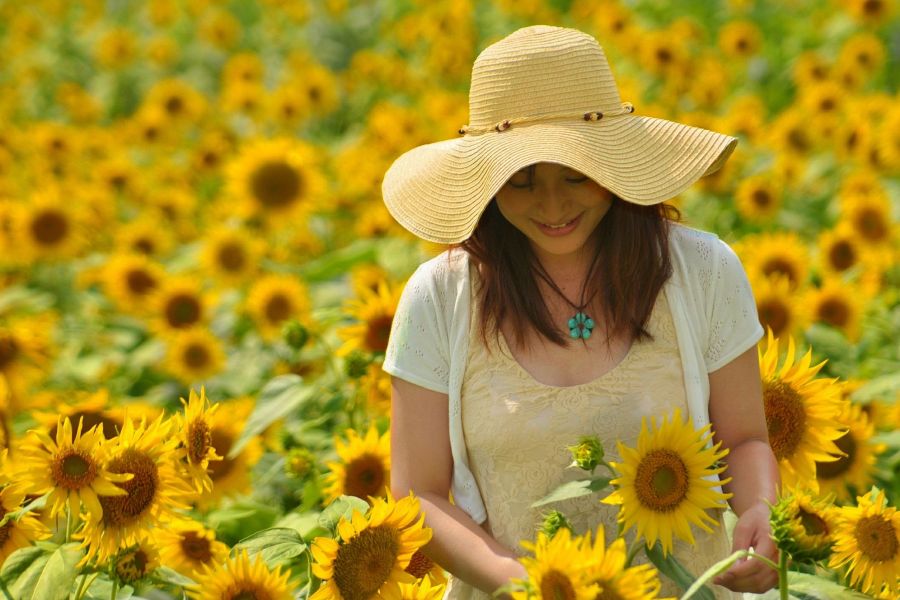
point(438, 191)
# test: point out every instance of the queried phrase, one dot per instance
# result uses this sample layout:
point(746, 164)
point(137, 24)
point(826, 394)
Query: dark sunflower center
point(378, 331)
point(365, 562)
point(873, 8)
point(210, 158)
point(661, 480)
point(419, 565)
point(842, 256)
point(255, 594)
point(196, 547)
point(812, 523)
point(182, 310)
point(780, 266)
point(365, 477)
point(73, 470)
point(762, 198)
point(232, 257)
point(132, 565)
point(49, 228)
point(833, 469)
point(196, 356)
point(278, 308)
point(609, 592)
point(140, 282)
point(797, 140)
point(121, 510)
point(9, 349)
point(276, 184)
point(556, 586)
point(221, 442)
point(870, 224)
point(785, 417)
point(834, 311)
point(876, 538)
point(773, 313)
point(174, 105)
point(199, 440)
point(90, 419)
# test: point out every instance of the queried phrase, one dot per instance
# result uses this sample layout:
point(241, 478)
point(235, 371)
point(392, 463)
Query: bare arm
point(738, 418)
point(421, 462)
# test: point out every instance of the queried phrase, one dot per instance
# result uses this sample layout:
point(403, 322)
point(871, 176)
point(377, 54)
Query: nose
point(554, 203)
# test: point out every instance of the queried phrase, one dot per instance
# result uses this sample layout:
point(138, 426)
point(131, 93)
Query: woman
point(571, 304)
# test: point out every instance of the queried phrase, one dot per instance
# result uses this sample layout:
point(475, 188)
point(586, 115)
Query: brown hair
point(630, 239)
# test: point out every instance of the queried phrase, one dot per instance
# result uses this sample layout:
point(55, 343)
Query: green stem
point(115, 589)
point(68, 522)
point(5, 590)
point(783, 575)
point(81, 586)
point(632, 552)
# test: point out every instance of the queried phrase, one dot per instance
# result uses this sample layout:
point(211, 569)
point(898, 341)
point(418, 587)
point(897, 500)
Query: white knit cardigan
point(709, 295)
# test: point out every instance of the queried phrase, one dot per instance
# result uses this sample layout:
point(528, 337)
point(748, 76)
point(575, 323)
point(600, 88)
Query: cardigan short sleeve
point(734, 325)
point(418, 346)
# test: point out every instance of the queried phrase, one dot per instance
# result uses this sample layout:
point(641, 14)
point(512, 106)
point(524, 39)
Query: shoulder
point(446, 269)
point(685, 239)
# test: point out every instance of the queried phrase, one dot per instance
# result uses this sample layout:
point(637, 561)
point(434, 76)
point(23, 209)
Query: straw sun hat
point(544, 94)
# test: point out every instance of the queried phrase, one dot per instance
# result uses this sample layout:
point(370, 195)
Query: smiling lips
point(558, 230)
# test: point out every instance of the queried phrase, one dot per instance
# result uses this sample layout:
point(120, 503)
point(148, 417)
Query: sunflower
point(145, 236)
point(869, 12)
point(664, 485)
point(809, 67)
point(190, 548)
point(618, 582)
point(208, 154)
point(838, 304)
point(116, 48)
point(26, 351)
point(279, 180)
point(364, 468)
point(138, 561)
point(870, 218)
point(372, 551)
point(154, 493)
point(21, 531)
point(889, 138)
point(195, 435)
point(801, 412)
point(71, 469)
point(558, 569)
point(852, 138)
point(839, 250)
point(374, 311)
point(867, 543)
point(231, 475)
point(180, 304)
point(194, 354)
point(777, 306)
point(244, 98)
point(178, 101)
point(864, 50)
point(740, 39)
point(130, 280)
point(789, 132)
point(422, 567)
point(48, 227)
point(423, 589)
point(856, 465)
point(238, 578)
point(274, 299)
point(803, 524)
point(758, 198)
point(318, 89)
point(89, 408)
point(772, 254)
point(376, 385)
point(231, 255)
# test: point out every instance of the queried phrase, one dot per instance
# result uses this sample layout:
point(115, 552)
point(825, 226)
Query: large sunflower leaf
point(675, 571)
point(17, 562)
point(278, 545)
point(341, 508)
point(574, 489)
point(51, 579)
point(810, 587)
point(281, 396)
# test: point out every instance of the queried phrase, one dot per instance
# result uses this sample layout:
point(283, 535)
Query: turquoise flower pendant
point(580, 326)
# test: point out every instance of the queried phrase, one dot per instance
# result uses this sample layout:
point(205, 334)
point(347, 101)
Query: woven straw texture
point(543, 79)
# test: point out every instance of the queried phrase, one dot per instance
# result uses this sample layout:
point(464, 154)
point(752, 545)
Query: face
point(557, 208)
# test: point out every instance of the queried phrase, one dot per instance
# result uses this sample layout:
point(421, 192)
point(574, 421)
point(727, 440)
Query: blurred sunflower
point(867, 543)
point(279, 180)
point(219, 28)
point(758, 199)
point(870, 218)
point(71, 469)
point(663, 485)
point(48, 227)
point(369, 557)
point(839, 250)
point(17, 532)
point(274, 299)
point(144, 236)
point(889, 138)
point(146, 450)
point(180, 304)
point(864, 50)
point(238, 578)
point(559, 568)
point(116, 48)
point(801, 412)
point(838, 304)
point(776, 253)
point(117, 174)
point(740, 39)
point(231, 475)
point(661, 54)
point(317, 90)
point(777, 307)
point(193, 354)
point(209, 153)
point(180, 102)
point(364, 467)
point(789, 132)
point(190, 548)
point(243, 67)
point(244, 98)
point(374, 313)
point(869, 12)
point(809, 67)
point(367, 277)
point(138, 561)
point(26, 351)
point(286, 107)
point(852, 138)
point(803, 524)
point(746, 116)
point(376, 385)
point(616, 580)
point(195, 435)
point(854, 470)
point(231, 255)
point(89, 408)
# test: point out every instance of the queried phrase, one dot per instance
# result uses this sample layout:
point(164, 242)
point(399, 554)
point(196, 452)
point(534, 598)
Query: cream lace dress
point(517, 429)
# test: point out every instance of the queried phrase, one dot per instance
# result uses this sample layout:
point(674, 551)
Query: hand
point(749, 574)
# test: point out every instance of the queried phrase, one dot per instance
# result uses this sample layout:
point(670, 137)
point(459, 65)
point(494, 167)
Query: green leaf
point(574, 489)
point(281, 396)
point(169, 575)
point(306, 524)
point(811, 587)
point(18, 561)
point(101, 589)
point(882, 388)
point(342, 507)
point(51, 576)
point(340, 261)
point(673, 569)
point(277, 545)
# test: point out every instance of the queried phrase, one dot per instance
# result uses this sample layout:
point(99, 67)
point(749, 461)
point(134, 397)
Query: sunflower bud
point(588, 453)
point(553, 522)
point(357, 364)
point(300, 463)
point(801, 526)
point(295, 334)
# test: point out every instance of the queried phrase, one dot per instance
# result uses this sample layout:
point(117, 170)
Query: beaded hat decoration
point(545, 94)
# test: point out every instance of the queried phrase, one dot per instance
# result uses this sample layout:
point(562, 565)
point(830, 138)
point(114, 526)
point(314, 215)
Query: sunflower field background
point(198, 278)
